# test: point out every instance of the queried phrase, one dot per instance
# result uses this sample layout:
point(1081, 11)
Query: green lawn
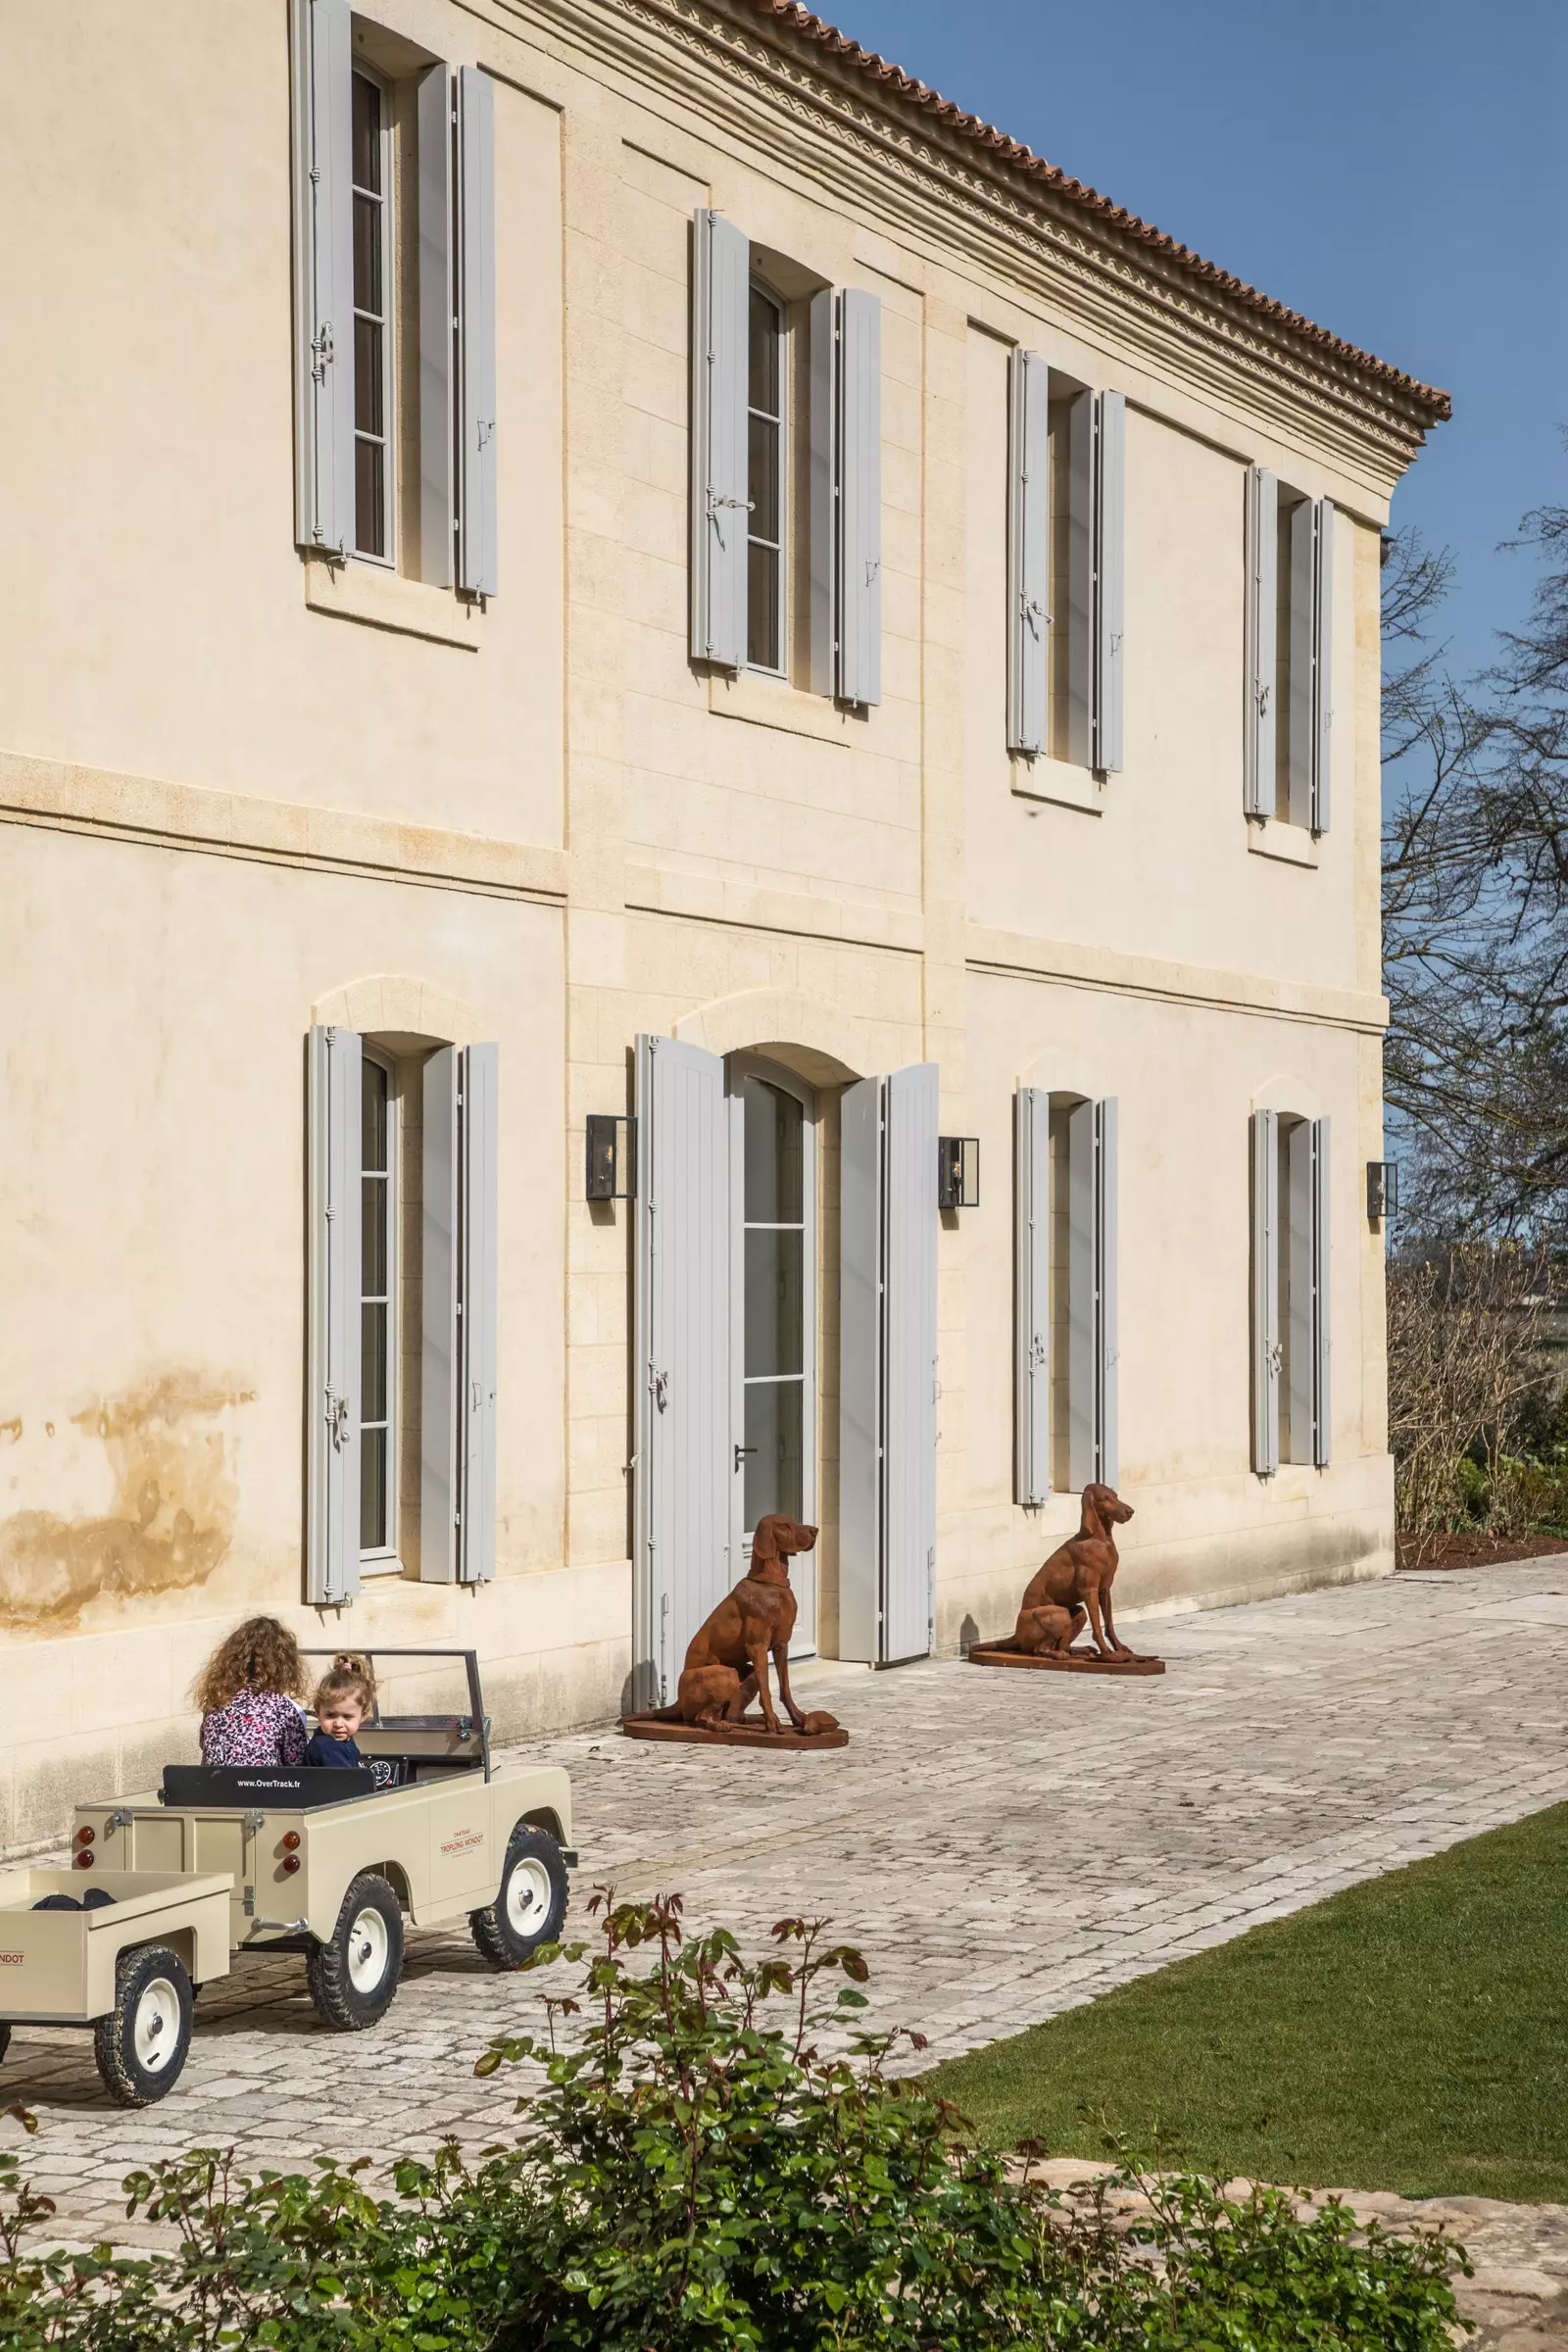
point(1409, 2035)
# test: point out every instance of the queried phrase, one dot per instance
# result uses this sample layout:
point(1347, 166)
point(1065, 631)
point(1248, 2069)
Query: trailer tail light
point(291, 1839)
point(85, 1859)
point(85, 1835)
point(291, 1863)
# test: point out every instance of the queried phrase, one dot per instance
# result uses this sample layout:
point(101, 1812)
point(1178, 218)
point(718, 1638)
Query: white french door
point(773, 1232)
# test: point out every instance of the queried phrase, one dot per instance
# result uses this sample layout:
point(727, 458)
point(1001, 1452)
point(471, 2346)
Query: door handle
point(741, 1452)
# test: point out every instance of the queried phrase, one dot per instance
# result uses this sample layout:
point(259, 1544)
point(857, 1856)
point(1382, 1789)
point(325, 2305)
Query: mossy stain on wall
point(172, 1518)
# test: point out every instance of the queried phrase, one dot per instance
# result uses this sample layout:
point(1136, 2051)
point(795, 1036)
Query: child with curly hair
point(343, 1699)
point(249, 1693)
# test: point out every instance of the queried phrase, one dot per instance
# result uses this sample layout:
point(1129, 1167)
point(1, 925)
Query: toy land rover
point(291, 1858)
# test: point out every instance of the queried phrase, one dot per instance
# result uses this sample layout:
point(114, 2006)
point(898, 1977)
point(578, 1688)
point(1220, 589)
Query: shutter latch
point(337, 1419)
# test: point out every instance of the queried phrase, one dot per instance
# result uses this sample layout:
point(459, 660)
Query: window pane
point(774, 1413)
point(368, 255)
point(369, 511)
point(761, 608)
point(367, 133)
point(372, 1491)
point(373, 1094)
point(775, 1137)
point(763, 478)
point(372, 1363)
point(373, 1236)
point(774, 1319)
point(765, 341)
point(370, 344)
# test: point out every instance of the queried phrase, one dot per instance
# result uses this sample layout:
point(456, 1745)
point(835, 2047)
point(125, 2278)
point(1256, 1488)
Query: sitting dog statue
point(1074, 1584)
point(726, 1665)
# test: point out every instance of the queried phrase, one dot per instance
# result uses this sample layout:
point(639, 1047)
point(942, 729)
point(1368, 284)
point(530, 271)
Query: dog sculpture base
point(1060, 1661)
point(664, 1722)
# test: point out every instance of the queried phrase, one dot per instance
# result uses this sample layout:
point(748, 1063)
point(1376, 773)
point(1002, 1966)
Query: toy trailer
point(127, 1966)
point(331, 1862)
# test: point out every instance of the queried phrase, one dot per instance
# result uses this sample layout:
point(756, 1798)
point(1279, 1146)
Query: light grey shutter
point(477, 332)
point(825, 489)
point(682, 1350)
point(859, 502)
point(479, 1080)
point(1303, 529)
point(322, 70)
point(1322, 1338)
point(1322, 660)
point(437, 317)
point(721, 267)
point(1111, 505)
point(1028, 550)
point(860, 1278)
point(1107, 1340)
point(1265, 1292)
point(332, 1402)
point(1093, 1444)
point(1261, 639)
point(888, 1367)
point(1032, 1294)
point(909, 1379)
point(440, 1470)
point(1081, 579)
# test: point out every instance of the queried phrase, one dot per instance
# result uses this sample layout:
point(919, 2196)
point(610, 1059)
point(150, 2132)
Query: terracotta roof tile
point(798, 19)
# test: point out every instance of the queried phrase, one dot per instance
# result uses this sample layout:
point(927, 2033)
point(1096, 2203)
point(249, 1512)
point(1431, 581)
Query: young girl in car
point(343, 1699)
point(249, 1693)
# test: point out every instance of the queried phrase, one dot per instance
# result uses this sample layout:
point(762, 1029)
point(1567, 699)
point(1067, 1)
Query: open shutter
point(888, 1367)
point(322, 69)
point(1028, 550)
point(1091, 1307)
point(437, 315)
point(1111, 502)
point(1303, 716)
point(440, 1469)
point(1263, 593)
point(722, 266)
point(1265, 1292)
point(1322, 1345)
point(859, 502)
point(1032, 1294)
point(332, 1402)
point(477, 332)
point(478, 1086)
point(682, 1354)
point(1322, 660)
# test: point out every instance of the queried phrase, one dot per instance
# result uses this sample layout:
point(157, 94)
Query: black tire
point(530, 1905)
point(142, 2044)
point(354, 1976)
point(5, 2042)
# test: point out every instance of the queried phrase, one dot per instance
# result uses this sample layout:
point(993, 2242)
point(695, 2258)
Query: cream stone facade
point(251, 791)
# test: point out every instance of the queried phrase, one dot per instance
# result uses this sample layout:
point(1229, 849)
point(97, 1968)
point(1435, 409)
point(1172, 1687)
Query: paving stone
point(1002, 1845)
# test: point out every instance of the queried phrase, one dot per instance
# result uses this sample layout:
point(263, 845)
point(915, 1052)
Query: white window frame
point(385, 198)
point(386, 1559)
point(803, 1576)
point(759, 286)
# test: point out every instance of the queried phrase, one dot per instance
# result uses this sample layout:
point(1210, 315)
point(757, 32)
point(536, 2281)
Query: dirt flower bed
point(1476, 1552)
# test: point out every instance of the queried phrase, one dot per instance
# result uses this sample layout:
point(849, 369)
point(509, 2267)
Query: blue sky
point(1396, 169)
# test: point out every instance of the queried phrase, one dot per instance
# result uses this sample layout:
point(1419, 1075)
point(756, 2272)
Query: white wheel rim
point(369, 1946)
point(155, 2032)
point(527, 1895)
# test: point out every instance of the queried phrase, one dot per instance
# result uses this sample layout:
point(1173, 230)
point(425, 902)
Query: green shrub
point(693, 2176)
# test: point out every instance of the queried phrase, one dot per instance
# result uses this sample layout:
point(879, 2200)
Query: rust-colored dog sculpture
point(726, 1665)
point(1074, 1584)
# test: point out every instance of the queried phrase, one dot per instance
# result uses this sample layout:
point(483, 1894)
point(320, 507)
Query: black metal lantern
point(1382, 1189)
point(958, 1171)
point(612, 1165)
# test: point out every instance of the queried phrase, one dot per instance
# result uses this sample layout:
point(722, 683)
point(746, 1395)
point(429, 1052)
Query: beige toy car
point(324, 1861)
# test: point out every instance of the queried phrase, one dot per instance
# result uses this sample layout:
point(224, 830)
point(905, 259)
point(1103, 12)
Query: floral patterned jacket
point(259, 1727)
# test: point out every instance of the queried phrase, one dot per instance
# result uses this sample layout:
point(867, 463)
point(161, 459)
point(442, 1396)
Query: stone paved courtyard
point(1002, 1844)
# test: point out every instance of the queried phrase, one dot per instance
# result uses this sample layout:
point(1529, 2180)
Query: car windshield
point(414, 1688)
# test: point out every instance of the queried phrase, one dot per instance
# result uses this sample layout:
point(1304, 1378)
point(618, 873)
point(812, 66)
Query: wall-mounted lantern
point(1382, 1189)
point(958, 1171)
point(612, 1162)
